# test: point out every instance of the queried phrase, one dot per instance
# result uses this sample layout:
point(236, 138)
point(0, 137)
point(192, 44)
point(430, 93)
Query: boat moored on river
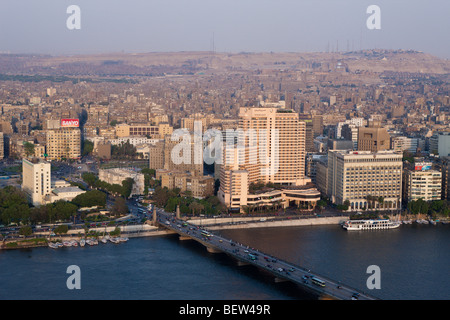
point(359, 225)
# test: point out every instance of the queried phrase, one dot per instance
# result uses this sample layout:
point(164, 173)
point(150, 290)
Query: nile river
point(413, 261)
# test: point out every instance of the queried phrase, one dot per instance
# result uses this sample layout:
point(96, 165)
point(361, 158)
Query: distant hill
point(179, 63)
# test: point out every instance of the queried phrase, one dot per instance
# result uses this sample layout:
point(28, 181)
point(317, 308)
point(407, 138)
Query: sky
point(39, 26)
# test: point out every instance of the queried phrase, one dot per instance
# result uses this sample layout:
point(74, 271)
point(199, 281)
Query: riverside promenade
point(264, 222)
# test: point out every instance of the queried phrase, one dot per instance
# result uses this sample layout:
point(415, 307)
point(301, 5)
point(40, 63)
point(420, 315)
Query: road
point(281, 269)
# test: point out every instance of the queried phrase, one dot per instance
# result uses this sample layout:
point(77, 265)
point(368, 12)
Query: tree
point(28, 148)
point(61, 229)
point(88, 147)
point(127, 187)
point(89, 178)
point(65, 210)
point(196, 207)
point(26, 231)
point(161, 196)
point(120, 206)
point(90, 198)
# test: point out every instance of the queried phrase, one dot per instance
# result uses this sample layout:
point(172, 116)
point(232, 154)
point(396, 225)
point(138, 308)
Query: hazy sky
point(39, 26)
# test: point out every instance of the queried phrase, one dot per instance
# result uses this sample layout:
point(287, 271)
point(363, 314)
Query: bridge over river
point(321, 286)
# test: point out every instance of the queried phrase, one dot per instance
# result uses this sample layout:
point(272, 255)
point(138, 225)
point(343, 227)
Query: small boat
point(82, 243)
point(74, 243)
point(122, 239)
point(104, 240)
point(432, 222)
point(53, 245)
point(91, 242)
point(67, 243)
point(114, 240)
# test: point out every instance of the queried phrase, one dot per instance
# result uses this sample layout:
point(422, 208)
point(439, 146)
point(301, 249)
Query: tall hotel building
point(277, 153)
point(270, 149)
point(370, 180)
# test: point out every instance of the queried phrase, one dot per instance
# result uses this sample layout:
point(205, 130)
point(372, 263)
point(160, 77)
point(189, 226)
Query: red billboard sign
point(70, 123)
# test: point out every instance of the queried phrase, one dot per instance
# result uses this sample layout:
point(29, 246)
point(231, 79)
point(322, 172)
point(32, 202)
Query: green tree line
point(15, 208)
point(170, 199)
point(94, 182)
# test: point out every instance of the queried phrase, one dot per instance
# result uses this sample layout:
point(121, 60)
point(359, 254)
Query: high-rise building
point(309, 132)
point(364, 179)
point(317, 121)
point(270, 150)
point(373, 138)
point(36, 180)
point(274, 145)
point(64, 140)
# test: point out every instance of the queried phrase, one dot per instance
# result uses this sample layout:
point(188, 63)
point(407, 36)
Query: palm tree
point(380, 200)
point(195, 206)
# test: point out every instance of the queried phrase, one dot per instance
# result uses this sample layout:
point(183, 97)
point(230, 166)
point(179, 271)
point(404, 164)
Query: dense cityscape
point(90, 141)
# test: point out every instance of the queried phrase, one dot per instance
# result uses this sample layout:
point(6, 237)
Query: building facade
point(36, 180)
point(270, 149)
point(422, 183)
point(373, 138)
point(364, 179)
point(63, 139)
point(117, 175)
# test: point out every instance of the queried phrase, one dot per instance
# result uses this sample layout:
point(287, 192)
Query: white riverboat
point(356, 225)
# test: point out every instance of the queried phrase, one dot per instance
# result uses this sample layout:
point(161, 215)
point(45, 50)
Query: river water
point(413, 262)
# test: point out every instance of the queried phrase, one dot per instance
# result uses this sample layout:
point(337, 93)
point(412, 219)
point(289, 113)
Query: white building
point(134, 140)
point(440, 142)
point(65, 193)
point(358, 122)
point(36, 180)
point(406, 144)
point(117, 175)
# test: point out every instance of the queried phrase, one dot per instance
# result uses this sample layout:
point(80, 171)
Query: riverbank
point(146, 230)
point(258, 222)
point(44, 239)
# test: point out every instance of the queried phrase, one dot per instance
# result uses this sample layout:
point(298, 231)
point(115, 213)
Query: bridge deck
point(282, 270)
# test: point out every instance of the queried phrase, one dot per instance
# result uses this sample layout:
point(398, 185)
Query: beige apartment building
point(63, 143)
point(422, 183)
point(198, 186)
point(155, 132)
point(373, 138)
point(370, 180)
point(163, 156)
